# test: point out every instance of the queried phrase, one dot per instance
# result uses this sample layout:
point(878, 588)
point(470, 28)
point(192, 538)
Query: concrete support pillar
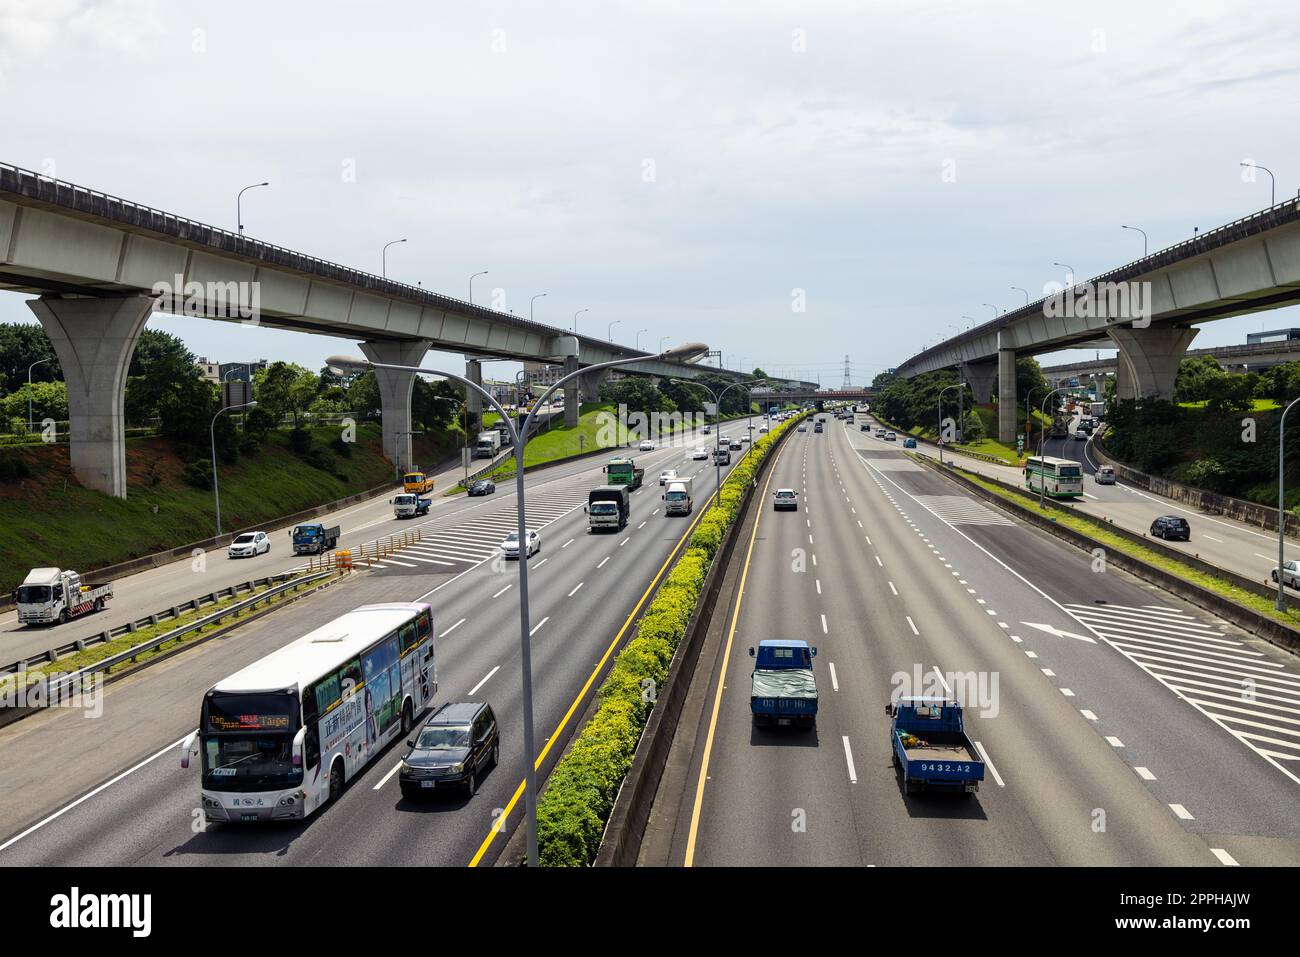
point(571, 399)
point(980, 376)
point(395, 394)
point(1008, 401)
point(94, 340)
point(474, 401)
point(1147, 364)
point(589, 384)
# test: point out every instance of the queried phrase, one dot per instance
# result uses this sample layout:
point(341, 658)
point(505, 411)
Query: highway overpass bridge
point(1147, 309)
point(1236, 358)
point(802, 393)
point(101, 265)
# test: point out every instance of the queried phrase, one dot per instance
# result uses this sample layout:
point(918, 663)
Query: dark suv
point(454, 747)
point(1171, 526)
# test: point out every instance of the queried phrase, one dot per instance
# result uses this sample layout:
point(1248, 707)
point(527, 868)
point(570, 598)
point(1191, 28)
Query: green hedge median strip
point(580, 793)
point(1094, 528)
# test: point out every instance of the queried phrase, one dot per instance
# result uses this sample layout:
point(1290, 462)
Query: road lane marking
point(1067, 692)
point(825, 631)
point(1113, 741)
point(474, 690)
point(86, 797)
point(452, 628)
point(988, 763)
point(1145, 774)
point(911, 624)
point(539, 625)
point(1181, 812)
point(641, 526)
point(848, 756)
point(879, 562)
point(603, 561)
point(1212, 538)
point(892, 588)
point(698, 803)
point(835, 682)
point(937, 673)
point(1088, 714)
point(384, 780)
point(819, 585)
point(567, 544)
point(501, 592)
point(575, 589)
point(1226, 859)
point(629, 538)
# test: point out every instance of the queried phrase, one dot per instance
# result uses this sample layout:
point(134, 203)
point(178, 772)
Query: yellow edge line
point(499, 825)
point(726, 656)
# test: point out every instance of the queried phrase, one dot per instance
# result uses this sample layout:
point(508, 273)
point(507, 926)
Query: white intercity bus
point(1058, 478)
point(282, 736)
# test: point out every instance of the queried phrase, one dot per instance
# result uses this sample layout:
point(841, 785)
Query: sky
point(792, 183)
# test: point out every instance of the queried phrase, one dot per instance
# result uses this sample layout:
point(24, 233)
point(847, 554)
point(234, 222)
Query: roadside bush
point(199, 473)
point(258, 424)
point(300, 441)
point(249, 446)
point(582, 788)
point(341, 448)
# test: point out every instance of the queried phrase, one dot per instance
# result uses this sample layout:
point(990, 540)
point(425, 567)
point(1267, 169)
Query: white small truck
point(53, 595)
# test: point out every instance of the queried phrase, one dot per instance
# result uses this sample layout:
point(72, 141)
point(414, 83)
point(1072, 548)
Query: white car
point(646, 446)
point(744, 439)
point(667, 475)
point(249, 544)
point(763, 430)
point(510, 547)
point(700, 454)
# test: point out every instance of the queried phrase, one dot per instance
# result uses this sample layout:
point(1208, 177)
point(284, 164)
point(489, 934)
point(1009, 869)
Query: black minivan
point(1171, 526)
point(455, 746)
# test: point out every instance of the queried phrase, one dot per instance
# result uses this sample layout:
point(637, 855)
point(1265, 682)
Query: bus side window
point(311, 748)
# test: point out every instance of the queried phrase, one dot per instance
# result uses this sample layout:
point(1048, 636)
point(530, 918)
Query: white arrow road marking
point(1053, 630)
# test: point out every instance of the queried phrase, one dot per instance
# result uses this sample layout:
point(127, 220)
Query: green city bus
point(1059, 478)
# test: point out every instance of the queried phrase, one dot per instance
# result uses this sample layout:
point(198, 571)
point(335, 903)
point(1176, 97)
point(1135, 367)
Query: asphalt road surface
point(1120, 725)
point(110, 791)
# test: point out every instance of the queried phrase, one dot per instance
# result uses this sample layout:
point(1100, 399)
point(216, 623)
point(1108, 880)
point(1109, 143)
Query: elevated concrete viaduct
point(100, 264)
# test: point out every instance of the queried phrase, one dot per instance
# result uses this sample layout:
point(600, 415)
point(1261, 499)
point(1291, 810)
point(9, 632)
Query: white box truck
point(488, 445)
point(49, 595)
point(678, 499)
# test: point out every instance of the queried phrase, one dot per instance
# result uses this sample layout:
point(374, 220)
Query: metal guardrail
point(108, 634)
point(72, 679)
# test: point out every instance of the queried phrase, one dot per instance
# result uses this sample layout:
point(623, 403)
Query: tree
point(49, 401)
point(285, 388)
point(1198, 378)
point(21, 344)
point(636, 393)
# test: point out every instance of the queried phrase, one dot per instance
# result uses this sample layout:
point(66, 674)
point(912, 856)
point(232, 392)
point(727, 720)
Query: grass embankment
point(988, 416)
point(1256, 405)
point(1100, 530)
point(50, 520)
point(96, 653)
point(580, 793)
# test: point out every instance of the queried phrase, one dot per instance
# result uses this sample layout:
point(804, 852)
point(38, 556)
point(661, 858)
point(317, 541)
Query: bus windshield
point(248, 741)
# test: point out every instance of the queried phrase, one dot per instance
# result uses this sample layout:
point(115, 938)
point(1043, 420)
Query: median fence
point(581, 791)
point(365, 555)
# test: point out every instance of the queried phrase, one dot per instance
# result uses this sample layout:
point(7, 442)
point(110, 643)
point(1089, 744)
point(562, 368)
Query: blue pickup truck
point(783, 690)
point(931, 748)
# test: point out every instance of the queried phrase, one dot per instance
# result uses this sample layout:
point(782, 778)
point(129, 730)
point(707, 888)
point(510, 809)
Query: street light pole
point(610, 332)
point(1025, 291)
point(1272, 193)
point(212, 434)
point(1069, 271)
point(638, 338)
point(717, 419)
point(239, 209)
point(1042, 433)
point(30, 423)
point(1139, 229)
point(483, 272)
point(348, 363)
point(383, 257)
point(575, 319)
point(530, 304)
point(1281, 507)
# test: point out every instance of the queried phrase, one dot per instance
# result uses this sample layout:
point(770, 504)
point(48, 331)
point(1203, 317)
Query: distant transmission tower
point(848, 383)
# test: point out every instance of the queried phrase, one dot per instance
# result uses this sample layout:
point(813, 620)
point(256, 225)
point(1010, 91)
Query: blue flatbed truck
point(783, 690)
point(930, 746)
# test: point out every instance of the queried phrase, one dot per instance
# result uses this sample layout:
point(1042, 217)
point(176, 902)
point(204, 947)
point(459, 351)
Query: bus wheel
point(406, 719)
point(336, 781)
